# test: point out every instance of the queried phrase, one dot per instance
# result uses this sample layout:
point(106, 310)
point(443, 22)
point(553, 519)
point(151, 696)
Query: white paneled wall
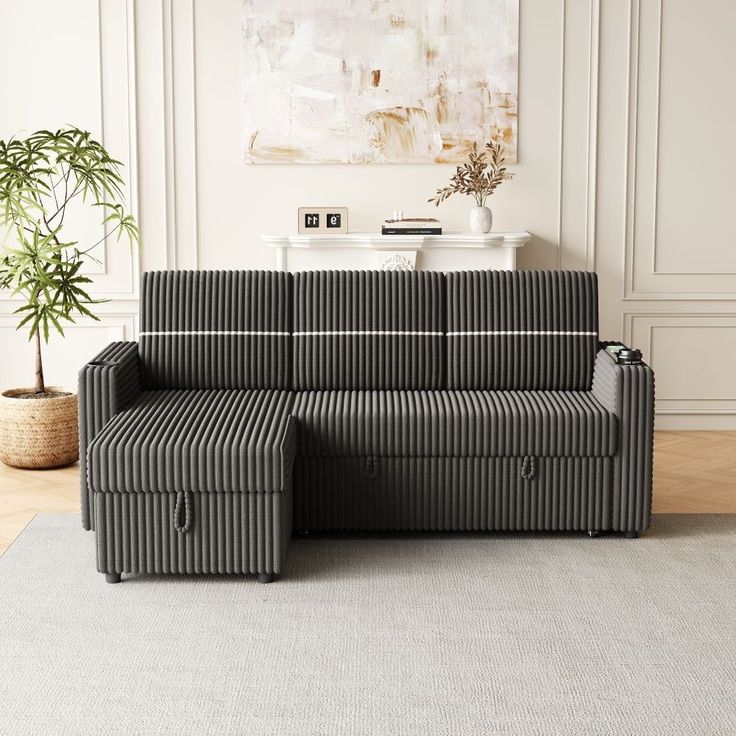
point(81, 71)
point(625, 165)
point(665, 181)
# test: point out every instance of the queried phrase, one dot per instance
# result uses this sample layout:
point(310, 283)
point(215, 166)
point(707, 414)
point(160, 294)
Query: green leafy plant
point(479, 176)
point(41, 176)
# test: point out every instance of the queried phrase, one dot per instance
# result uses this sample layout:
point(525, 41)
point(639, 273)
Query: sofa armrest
point(628, 392)
point(109, 383)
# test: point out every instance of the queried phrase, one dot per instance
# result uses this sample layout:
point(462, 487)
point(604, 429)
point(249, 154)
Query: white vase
point(481, 219)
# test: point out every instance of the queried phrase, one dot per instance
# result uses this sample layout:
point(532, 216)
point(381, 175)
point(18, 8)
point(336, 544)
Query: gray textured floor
point(445, 635)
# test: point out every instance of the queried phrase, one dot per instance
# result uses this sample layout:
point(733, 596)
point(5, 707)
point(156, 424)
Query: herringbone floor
point(694, 472)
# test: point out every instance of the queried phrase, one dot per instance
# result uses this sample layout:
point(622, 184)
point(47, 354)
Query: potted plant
point(478, 177)
point(42, 177)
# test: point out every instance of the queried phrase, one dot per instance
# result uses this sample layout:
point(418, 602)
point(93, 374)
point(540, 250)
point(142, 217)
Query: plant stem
point(40, 386)
point(94, 245)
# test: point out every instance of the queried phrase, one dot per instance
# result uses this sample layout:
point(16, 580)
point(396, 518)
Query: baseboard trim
point(694, 421)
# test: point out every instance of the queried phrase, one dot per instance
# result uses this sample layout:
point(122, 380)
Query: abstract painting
point(378, 81)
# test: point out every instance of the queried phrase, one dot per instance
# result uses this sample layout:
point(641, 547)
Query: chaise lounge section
point(188, 438)
point(260, 401)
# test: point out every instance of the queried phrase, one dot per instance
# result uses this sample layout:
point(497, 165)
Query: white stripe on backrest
point(364, 332)
point(210, 332)
point(519, 332)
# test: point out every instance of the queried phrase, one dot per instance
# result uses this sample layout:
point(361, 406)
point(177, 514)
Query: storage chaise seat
point(187, 438)
point(209, 470)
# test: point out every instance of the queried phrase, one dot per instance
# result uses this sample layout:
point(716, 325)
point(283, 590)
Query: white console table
point(452, 251)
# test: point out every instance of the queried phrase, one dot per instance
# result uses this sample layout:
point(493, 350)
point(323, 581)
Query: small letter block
point(323, 220)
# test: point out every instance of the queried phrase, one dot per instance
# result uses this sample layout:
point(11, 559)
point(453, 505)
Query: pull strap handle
point(529, 467)
point(183, 514)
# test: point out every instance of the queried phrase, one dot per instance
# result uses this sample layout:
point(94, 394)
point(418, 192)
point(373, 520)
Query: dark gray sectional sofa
point(259, 402)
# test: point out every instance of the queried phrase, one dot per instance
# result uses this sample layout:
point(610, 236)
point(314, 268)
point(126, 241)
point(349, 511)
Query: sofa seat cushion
point(454, 424)
point(202, 441)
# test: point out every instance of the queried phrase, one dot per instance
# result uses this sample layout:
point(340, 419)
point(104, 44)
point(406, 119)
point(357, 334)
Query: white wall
point(79, 72)
point(625, 161)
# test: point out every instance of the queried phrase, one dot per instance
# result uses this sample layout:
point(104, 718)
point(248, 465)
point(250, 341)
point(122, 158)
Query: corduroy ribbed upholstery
point(628, 392)
point(207, 441)
point(403, 400)
point(215, 329)
point(109, 383)
point(368, 330)
point(521, 330)
point(230, 533)
point(454, 424)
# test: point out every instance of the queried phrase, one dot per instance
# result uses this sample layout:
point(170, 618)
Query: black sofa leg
point(594, 533)
point(112, 577)
point(265, 577)
point(631, 535)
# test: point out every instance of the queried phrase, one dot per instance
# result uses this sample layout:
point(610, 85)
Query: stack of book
point(412, 226)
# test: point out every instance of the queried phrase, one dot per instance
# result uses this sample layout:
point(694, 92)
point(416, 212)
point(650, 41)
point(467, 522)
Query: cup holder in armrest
point(102, 363)
point(629, 356)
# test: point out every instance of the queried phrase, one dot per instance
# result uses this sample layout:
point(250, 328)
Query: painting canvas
point(378, 81)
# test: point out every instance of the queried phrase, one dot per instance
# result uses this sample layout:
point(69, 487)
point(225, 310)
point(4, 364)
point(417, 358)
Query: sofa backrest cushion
point(216, 329)
point(368, 330)
point(521, 330)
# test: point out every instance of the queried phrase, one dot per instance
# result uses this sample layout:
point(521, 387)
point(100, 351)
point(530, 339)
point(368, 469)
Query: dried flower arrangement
point(479, 176)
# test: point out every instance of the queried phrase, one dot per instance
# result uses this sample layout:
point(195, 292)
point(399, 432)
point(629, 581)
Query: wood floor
point(694, 472)
point(23, 493)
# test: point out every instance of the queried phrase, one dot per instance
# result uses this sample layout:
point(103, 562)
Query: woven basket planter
point(38, 433)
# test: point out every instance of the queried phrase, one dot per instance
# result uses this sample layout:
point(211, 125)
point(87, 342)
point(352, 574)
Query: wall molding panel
point(681, 318)
point(62, 357)
point(580, 51)
point(183, 133)
point(695, 352)
point(644, 279)
point(118, 132)
point(167, 152)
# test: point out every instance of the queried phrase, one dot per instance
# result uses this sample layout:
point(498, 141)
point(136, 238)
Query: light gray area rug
point(414, 635)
